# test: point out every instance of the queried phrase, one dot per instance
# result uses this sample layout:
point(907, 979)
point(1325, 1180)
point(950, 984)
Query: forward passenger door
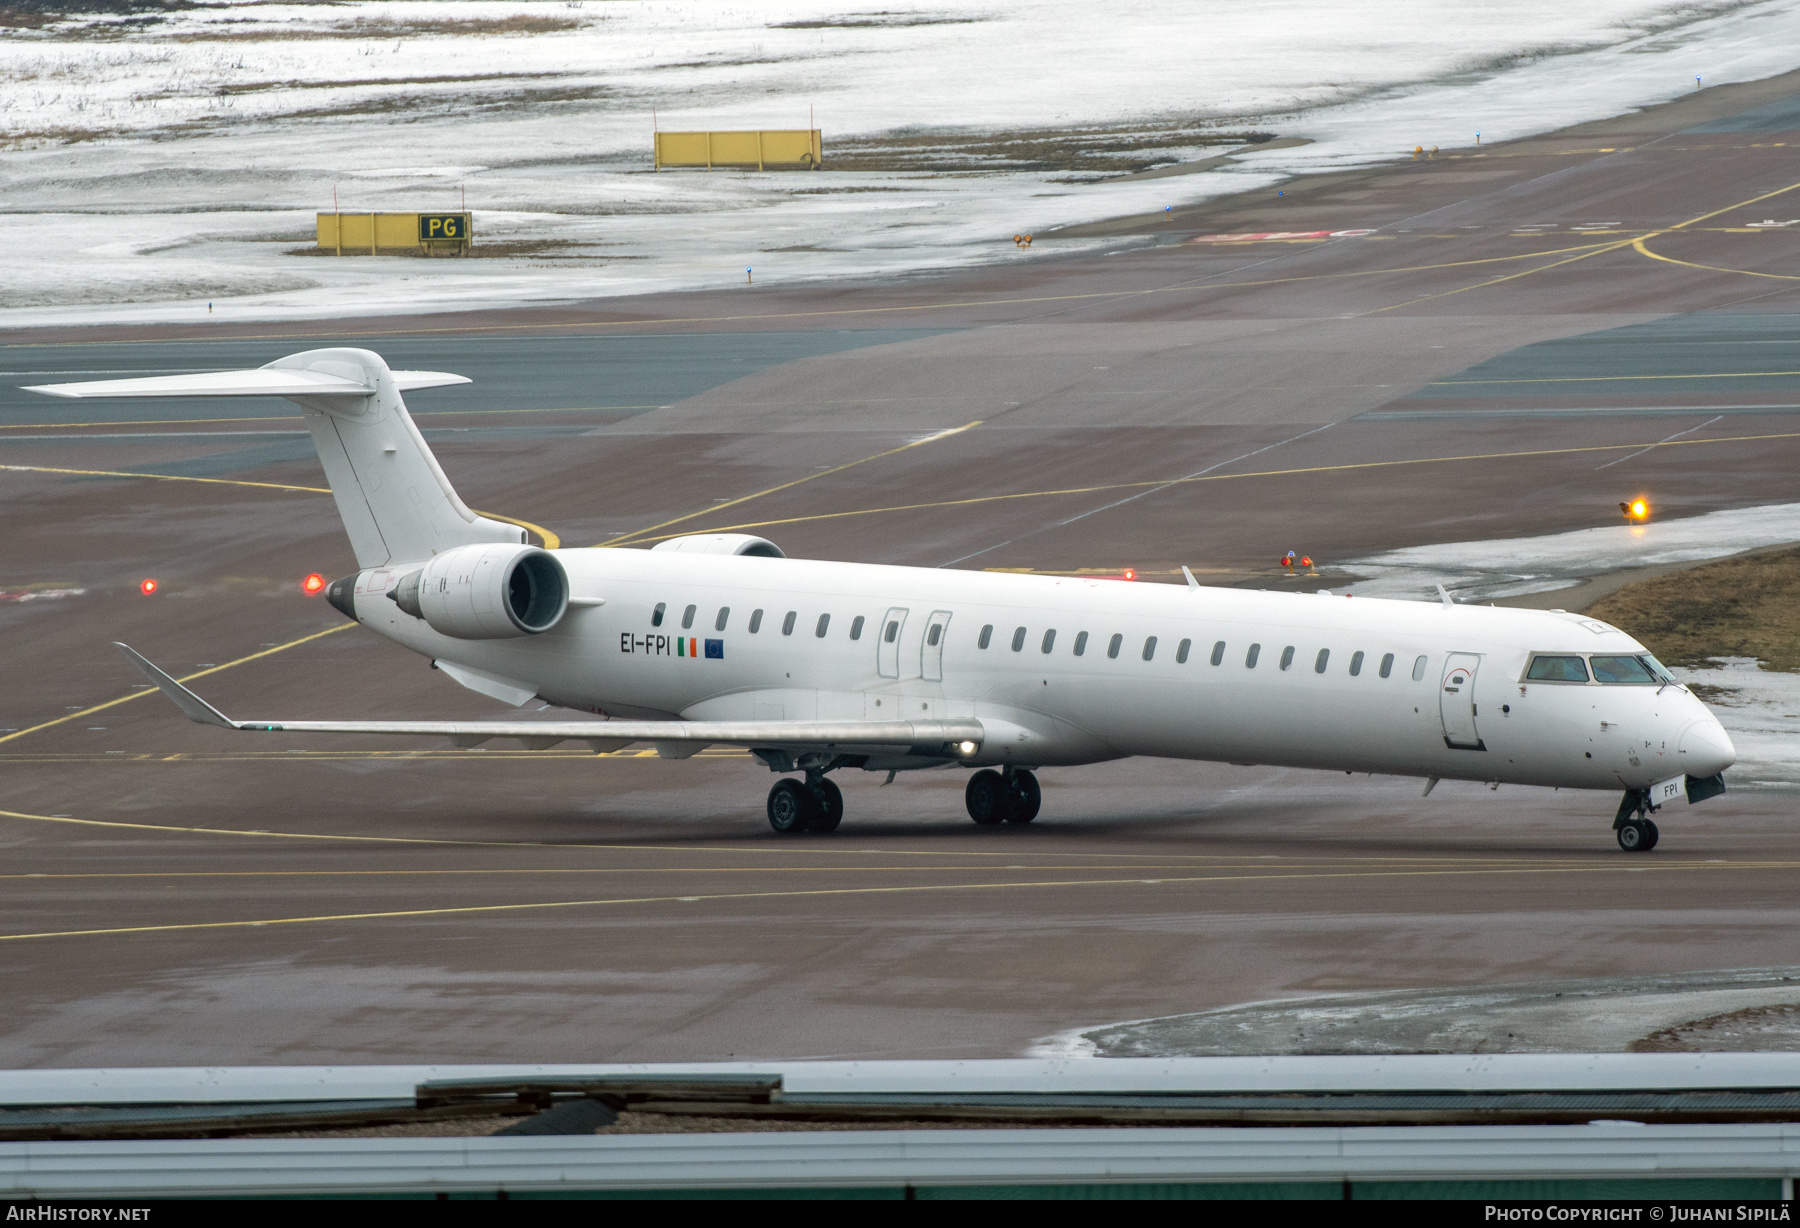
point(1456, 701)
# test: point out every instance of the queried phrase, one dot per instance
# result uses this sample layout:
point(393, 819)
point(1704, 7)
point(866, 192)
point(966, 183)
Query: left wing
point(673, 739)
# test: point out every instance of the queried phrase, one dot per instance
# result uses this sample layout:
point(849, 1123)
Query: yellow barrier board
point(365, 234)
point(789, 147)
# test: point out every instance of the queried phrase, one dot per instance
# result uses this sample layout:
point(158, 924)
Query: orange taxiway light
point(1637, 509)
point(147, 587)
point(313, 584)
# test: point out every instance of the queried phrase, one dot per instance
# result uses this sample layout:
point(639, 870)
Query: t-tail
point(396, 503)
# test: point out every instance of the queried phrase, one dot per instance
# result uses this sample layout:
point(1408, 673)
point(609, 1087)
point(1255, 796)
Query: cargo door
point(931, 648)
point(887, 643)
point(1456, 701)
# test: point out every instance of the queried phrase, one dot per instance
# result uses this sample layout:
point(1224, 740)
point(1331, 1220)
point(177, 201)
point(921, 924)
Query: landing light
point(147, 587)
point(314, 583)
point(967, 748)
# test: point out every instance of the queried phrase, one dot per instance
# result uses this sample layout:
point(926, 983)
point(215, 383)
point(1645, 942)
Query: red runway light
point(1130, 574)
point(147, 587)
point(314, 583)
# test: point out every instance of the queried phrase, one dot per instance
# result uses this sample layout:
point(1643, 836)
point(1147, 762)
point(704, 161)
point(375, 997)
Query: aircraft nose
point(1706, 748)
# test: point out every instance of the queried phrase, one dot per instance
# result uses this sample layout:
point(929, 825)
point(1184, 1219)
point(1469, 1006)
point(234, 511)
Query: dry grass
point(1741, 607)
point(376, 28)
point(1754, 1028)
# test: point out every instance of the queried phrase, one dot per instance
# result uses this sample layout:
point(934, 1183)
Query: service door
point(887, 643)
point(1456, 701)
point(931, 648)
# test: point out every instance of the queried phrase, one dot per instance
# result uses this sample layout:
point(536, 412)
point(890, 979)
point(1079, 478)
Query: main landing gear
point(813, 804)
point(1011, 796)
point(1636, 832)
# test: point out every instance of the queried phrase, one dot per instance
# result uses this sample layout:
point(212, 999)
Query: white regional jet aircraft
point(816, 666)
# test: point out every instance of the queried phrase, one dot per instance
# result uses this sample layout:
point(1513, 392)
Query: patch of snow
point(204, 141)
point(1760, 709)
point(1511, 566)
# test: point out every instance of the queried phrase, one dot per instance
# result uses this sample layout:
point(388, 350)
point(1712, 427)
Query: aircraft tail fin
point(396, 503)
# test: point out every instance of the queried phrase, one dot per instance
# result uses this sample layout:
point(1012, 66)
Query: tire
point(986, 798)
point(792, 807)
point(1651, 835)
point(1026, 798)
point(829, 802)
point(1635, 837)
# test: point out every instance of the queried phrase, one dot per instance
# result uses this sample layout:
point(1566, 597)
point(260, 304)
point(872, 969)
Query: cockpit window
point(1622, 669)
point(1558, 669)
point(1658, 668)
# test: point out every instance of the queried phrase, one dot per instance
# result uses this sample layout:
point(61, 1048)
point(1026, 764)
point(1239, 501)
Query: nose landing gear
point(994, 797)
point(1636, 831)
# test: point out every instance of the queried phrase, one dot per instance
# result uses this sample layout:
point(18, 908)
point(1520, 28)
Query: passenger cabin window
point(856, 625)
point(824, 622)
point(934, 635)
point(1557, 669)
point(1218, 655)
point(1287, 656)
point(1112, 648)
point(1149, 647)
point(1080, 643)
point(1355, 664)
point(1181, 651)
point(687, 618)
point(787, 624)
point(987, 636)
point(656, 615)
point(1018, 638)
point(893, 631)
point(1387, 665)
point(1320, 660)
point(1049, 640)
point(1419, 670)
point(719, 622)
point(755, 621)
point(1622, 669)
point(1250, 657)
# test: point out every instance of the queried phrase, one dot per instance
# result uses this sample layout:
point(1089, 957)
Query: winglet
point(1444, 596)
point(1192, 583)
point(191, 705)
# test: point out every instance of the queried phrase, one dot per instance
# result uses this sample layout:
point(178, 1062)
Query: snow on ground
point(163, 161)
point(1512, 566)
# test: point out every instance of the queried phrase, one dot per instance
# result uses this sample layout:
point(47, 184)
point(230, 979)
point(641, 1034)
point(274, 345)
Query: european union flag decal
point(715, 650)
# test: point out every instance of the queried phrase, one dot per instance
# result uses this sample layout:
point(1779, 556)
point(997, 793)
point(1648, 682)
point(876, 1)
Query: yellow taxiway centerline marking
point(551, 540)
point(1163, 880)
point(1602, 379)
point(113, 703)
point(1227, 477)
point(1641, 250)
point(625, 539)
point(558, 846)
point(1602, 250)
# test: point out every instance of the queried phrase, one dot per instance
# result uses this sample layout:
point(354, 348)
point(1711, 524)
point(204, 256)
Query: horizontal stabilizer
point(259, 382)
point(896, 736)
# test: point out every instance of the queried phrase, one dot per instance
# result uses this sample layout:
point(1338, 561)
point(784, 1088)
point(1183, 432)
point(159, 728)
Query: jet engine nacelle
point(489, 592)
